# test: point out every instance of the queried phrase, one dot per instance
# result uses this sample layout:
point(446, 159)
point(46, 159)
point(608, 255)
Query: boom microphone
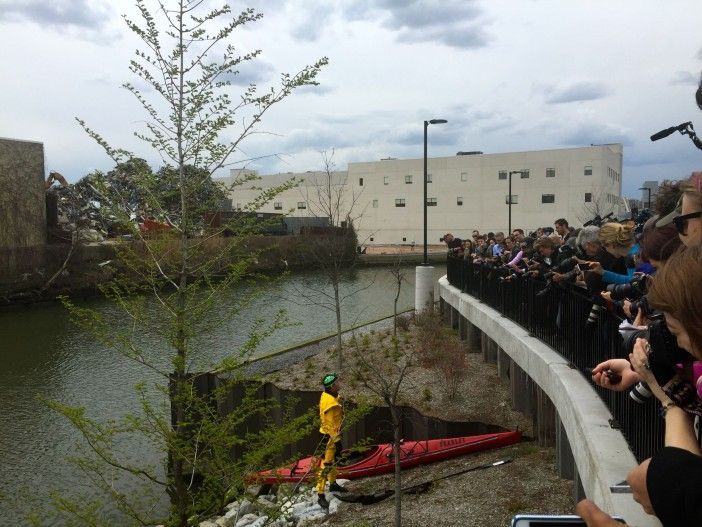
point(668, 131)
point(663, 133)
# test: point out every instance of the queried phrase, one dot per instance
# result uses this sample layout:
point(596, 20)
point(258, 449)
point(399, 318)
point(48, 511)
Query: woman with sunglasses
point(687, 216)
point(689, 222)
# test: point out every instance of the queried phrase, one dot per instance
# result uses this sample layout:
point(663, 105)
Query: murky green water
point(44, 354)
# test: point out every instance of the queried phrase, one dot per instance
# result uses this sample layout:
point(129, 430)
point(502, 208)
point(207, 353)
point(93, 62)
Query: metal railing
point(559, 317)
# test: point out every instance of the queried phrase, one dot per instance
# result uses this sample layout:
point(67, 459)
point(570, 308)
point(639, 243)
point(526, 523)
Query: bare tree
point(333, 249)
point(399, 277)
point(384, 374)
point(599, 204)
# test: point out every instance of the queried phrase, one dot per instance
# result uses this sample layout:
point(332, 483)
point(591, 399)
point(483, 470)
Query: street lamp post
point(424, 273)
point(509, 200)
point(647, 189)
point(426, 125)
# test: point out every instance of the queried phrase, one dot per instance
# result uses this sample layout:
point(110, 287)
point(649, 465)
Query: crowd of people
point(649, 271)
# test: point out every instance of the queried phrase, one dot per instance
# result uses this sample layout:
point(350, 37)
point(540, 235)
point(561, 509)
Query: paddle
point(369, 499)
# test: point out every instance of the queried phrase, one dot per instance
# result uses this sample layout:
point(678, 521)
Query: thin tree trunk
point(398, 473)
point(337, 306)
point(181, 339)
point(394, 319)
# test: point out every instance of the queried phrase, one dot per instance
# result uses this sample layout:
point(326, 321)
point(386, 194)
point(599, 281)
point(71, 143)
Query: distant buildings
point(464, 192)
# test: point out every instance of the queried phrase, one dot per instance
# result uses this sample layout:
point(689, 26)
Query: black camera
point(665, 354)
point(634, 290)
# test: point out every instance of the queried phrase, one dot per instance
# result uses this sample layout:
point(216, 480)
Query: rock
point(232, 505)
point(299, 508)
point(260, 522)
point(247, 520)
point(308, 520)
point(267, 500)
point(230, 519)
point(287, 506)
point(334, 504)
point(343, 482)
point(245, 507)
point(253, 490)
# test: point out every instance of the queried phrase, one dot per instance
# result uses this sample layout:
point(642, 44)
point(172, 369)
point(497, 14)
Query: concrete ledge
point(602, 455)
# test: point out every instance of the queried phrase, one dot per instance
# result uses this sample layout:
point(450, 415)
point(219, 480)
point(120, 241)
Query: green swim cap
point(329, 379)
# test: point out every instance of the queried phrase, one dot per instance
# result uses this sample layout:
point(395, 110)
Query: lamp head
point(438, 121)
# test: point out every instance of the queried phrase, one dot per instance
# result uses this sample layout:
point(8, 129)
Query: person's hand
point(626, 307)
point(596, 267)
point(607, 295)
point(557, 277)
point(640, 320)
point(619, 366)
point(637, 481)
point(594, 516)
point(639, 361)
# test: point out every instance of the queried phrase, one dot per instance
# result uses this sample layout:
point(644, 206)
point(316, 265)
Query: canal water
point(45, 356)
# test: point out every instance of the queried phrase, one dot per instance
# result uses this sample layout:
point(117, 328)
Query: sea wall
point(565, 409)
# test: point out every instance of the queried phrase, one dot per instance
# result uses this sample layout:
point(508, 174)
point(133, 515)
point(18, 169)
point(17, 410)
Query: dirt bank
point(456, 389)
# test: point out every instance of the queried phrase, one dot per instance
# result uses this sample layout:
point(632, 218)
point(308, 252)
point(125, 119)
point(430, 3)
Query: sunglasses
point(681, 221)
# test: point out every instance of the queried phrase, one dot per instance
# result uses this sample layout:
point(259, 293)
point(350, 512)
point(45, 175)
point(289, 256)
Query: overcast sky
point(508, 75)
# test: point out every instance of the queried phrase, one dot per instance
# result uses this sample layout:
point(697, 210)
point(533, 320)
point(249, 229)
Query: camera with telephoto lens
point(665, 354)
point(634, 290)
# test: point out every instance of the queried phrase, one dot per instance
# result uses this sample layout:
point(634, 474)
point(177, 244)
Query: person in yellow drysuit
point(330, 415)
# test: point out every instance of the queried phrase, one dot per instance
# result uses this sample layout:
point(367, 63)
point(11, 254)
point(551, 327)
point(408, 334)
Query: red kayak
point(378, 459)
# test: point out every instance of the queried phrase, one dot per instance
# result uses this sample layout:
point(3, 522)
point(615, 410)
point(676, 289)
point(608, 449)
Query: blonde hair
point(617, 234)
point(691, 188)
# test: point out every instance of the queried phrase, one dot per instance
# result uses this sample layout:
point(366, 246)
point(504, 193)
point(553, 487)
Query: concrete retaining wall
point(566, 410)
point(22, 206)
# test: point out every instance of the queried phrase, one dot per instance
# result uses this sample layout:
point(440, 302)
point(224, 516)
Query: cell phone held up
point(614, 377)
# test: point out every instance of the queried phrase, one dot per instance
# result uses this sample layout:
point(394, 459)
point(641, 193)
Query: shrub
point(452, 364)
point(403, 322)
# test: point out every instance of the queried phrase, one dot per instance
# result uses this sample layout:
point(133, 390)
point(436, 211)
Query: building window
point(238, 206)
point(399, 202)
point(502, 174)
point(301, 205)
point(459, 200)
point(550, 172)
point(360, 182)
point(515, 199)
point(408, 179)
point(386, 180)
point(588, 197)
point(524, 174)
point(464, 176)
point(404, 238)
point(428, 178)
point(278, 205)
point(431, 202)
point(588, 171)
point(371, 238)
point(375, 203)
point(548, 198)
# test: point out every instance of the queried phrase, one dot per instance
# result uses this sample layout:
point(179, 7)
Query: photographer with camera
point(618, 240)
point(454, 245)
point(658, 244)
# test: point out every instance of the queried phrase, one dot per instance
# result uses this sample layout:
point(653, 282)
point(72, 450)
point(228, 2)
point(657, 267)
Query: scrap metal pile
point(106, 205)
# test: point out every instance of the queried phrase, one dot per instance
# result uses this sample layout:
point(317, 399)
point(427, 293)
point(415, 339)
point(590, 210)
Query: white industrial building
point(464, 192)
